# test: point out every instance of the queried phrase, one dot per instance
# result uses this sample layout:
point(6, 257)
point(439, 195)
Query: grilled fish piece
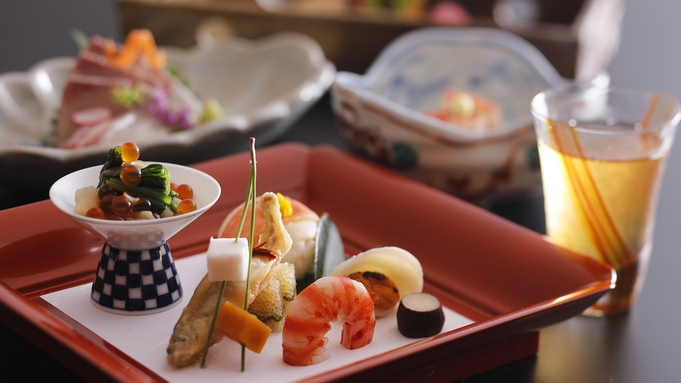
point(191, 330)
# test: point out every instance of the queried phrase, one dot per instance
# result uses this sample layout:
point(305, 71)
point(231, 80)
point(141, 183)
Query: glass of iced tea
point(603, 154)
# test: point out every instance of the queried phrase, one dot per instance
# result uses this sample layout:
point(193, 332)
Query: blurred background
point(33, 30)
point(631, 40)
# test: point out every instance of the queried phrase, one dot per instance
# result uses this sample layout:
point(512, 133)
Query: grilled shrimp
point(311, 312)
point(191, 330)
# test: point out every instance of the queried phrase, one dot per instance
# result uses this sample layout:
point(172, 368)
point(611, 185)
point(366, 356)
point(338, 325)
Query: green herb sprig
point(250, 199)
point(80, 38)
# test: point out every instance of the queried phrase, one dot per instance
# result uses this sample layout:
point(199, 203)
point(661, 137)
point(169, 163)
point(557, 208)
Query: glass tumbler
point(603, 153)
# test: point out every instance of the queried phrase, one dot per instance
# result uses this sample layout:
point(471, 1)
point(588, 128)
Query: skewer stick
point(250, 197)
point(252, 190)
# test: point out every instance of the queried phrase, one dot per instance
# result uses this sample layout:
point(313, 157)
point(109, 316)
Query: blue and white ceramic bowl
point(381, 114)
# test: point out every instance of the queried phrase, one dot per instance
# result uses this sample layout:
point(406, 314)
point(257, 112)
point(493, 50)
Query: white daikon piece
point(227, 259)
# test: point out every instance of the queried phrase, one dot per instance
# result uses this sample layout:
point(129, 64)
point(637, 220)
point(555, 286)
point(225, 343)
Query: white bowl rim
point(486, 35)
point(360, 84)
point(170, 166)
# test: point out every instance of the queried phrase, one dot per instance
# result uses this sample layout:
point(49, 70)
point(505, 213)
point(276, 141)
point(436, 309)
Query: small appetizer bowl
point(136, 273)
point(388, 114)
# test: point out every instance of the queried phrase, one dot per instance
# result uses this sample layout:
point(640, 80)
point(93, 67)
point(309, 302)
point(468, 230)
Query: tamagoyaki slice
point(402, 270)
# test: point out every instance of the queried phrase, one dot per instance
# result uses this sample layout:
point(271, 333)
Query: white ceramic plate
point(263, 87)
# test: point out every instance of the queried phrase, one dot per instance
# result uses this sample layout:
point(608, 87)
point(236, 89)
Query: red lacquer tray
point(509, 280)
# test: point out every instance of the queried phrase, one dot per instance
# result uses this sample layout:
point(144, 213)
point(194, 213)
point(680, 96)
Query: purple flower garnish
point(159, 107)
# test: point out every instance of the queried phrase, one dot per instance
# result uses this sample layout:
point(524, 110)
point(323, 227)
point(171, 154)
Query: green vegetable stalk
point(154, 186)
point(114, 160)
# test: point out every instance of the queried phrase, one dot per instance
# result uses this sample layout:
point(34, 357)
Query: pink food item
point(449, 13)
point(93, 61)
point(91, 116)
point(468, 110)
point(311, 312)
point(101, 70)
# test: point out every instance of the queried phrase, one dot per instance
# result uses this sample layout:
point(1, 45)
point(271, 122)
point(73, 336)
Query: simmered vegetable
point(420, 315)
point(153, 182)
point(242, 327)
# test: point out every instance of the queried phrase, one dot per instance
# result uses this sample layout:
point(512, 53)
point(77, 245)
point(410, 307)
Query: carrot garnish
point(139, 42)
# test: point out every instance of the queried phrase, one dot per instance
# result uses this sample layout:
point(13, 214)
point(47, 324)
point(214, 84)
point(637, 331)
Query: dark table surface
point(640, 346)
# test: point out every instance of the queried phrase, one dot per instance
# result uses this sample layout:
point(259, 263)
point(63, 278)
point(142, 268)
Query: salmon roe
point(118, 205)
point(130, 152)
point(131, 175)
point(186, 206)
point(184, 191)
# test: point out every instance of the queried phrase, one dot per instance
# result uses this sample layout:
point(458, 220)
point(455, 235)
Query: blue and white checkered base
point(136, 281)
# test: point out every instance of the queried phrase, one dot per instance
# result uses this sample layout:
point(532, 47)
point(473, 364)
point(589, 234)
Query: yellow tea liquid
point(605, 209)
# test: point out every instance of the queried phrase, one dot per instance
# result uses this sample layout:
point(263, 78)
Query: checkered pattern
point(136, 238)
point(136, 280)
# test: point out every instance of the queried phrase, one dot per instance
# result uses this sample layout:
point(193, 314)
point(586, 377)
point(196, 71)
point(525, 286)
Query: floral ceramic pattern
point(380, 114)
point(419, 77)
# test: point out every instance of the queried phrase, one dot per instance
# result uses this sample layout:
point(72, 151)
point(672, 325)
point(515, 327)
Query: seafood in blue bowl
point(450, 107)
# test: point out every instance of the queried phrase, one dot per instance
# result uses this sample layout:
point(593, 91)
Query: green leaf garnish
point(80, 38)
point(129, 97)
point(328, 251)
point(174, 72)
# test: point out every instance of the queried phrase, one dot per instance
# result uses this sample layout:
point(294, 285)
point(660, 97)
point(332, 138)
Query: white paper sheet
point(145, 338)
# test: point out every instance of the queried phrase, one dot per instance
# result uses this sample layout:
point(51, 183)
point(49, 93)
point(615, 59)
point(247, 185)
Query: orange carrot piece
point(139, 41)
point(242, 327)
